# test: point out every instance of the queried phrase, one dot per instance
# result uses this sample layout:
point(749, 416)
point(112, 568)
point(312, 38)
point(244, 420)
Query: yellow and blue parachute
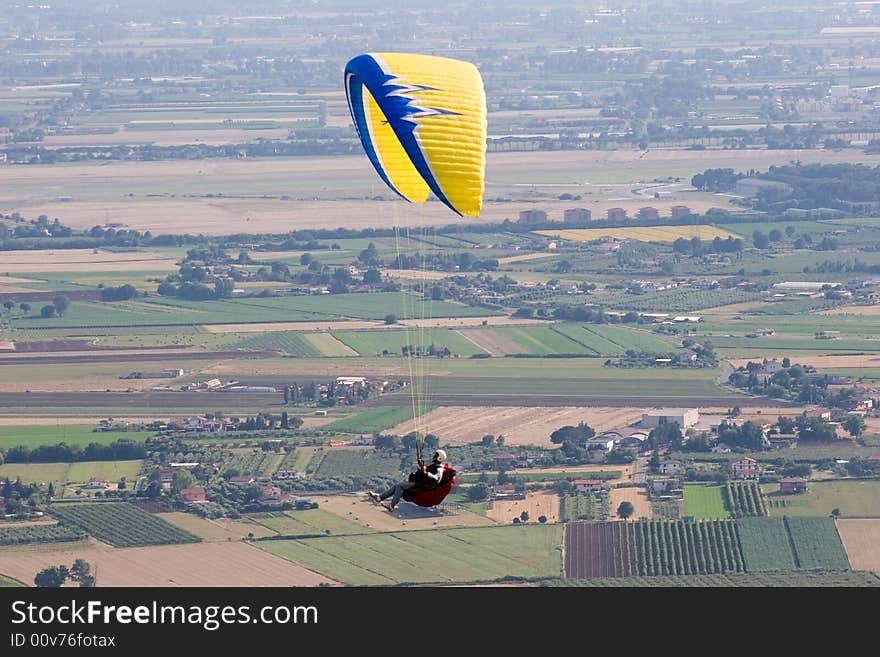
point(422, 122)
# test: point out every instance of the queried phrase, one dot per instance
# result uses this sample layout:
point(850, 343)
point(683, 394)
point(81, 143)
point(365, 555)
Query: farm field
point(354, 324)
point(59, 474)
point(219, 529)
point(638, 497)
point(651, 547)
point(653, 234)
point(121, 524)
point(750, 580)
point(170, 311)
point(292, 344)
point(19, 534)
point(520, 425)
point(542, 340)
point(168, 565)
point(372, 343)
point(491, 341)
point(614, 340)
point(372, 420)
point(511, 173)
point(78, 435)
point(328, 345)
point(861, 540)
point(535, 504)
point(438, 556)
point(817, 544)
point(309, 522)
point(581, 507)
point(54, 261)
point(704, 502)
point(599, 549)
point(765, 544)
point(359, 509)
point(855, 499)
point(7, 582)
point(362, 463)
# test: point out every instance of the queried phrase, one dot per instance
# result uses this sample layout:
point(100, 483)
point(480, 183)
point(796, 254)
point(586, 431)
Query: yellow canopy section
point(422, 121)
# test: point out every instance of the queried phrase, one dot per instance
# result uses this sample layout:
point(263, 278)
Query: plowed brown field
point(520, 425)
point(196, 564)
point(535, 504)
point(861, 539)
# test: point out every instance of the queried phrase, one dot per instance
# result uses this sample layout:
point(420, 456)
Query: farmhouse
point(662, 484)
point(683, 417)
point(96, 483)
point(193, 495)
point(820, 413)
point(671, 467)
point(790, 485)
point(587, 485)
point(507, 492)
point(744, 468)
point(289, 474)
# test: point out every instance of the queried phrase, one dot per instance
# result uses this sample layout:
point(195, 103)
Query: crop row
point(686, 548)
point(255, 463)
point(744, 499)
point(121, 524)
point(579, 507)
point(288, 342)
point(56, 533)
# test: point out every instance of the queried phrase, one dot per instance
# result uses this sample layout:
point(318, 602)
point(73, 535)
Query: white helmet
point(441, 454)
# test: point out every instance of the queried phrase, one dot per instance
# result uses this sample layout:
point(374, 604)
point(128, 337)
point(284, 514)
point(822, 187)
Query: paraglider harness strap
point(424, 482)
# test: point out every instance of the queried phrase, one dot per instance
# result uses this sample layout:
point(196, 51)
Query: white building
point(684, 417)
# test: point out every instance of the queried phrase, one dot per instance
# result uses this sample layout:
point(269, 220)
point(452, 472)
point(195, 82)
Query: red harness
point(432, 494)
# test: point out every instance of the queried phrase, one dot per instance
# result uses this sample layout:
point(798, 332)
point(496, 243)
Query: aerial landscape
point(650, 348)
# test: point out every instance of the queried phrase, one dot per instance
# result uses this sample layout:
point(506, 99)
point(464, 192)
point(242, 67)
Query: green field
point(75, 435)
point(371, 420)
point(817, 544)
point(542, 340)
point(855, 499)
point(170, 311)
point(433, 556)
point(7, 582)
point(801, 228)
point(358, 463)
point(308, 523)
point(75, 473)
point(121, 524)
point(291, 343)
point(765, 544)
point(54, 533)
point(328, 345)
point(704, 502)
point(392, 341)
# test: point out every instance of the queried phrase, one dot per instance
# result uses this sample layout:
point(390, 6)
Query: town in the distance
point(653, 359)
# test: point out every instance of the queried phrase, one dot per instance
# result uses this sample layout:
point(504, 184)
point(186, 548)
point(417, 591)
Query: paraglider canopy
point(422, 122)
